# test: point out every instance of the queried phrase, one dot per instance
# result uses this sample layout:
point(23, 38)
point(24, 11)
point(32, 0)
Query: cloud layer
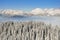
point(36, 11)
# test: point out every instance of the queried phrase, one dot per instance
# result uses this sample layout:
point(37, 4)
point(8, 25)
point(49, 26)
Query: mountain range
point(36, 11)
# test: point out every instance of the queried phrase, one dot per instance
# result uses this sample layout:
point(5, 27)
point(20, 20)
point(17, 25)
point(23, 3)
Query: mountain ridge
point(36, 11)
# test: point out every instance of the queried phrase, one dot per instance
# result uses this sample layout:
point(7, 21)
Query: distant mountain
point(36, 11)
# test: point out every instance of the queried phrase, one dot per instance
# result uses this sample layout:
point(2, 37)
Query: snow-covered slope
point(36, 11)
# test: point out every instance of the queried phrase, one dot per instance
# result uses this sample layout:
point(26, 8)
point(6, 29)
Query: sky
point(29, 4)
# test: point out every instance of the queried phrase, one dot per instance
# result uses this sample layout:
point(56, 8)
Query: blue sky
point(29, 4)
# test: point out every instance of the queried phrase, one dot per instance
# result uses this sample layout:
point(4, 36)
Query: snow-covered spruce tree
point(28, 31)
